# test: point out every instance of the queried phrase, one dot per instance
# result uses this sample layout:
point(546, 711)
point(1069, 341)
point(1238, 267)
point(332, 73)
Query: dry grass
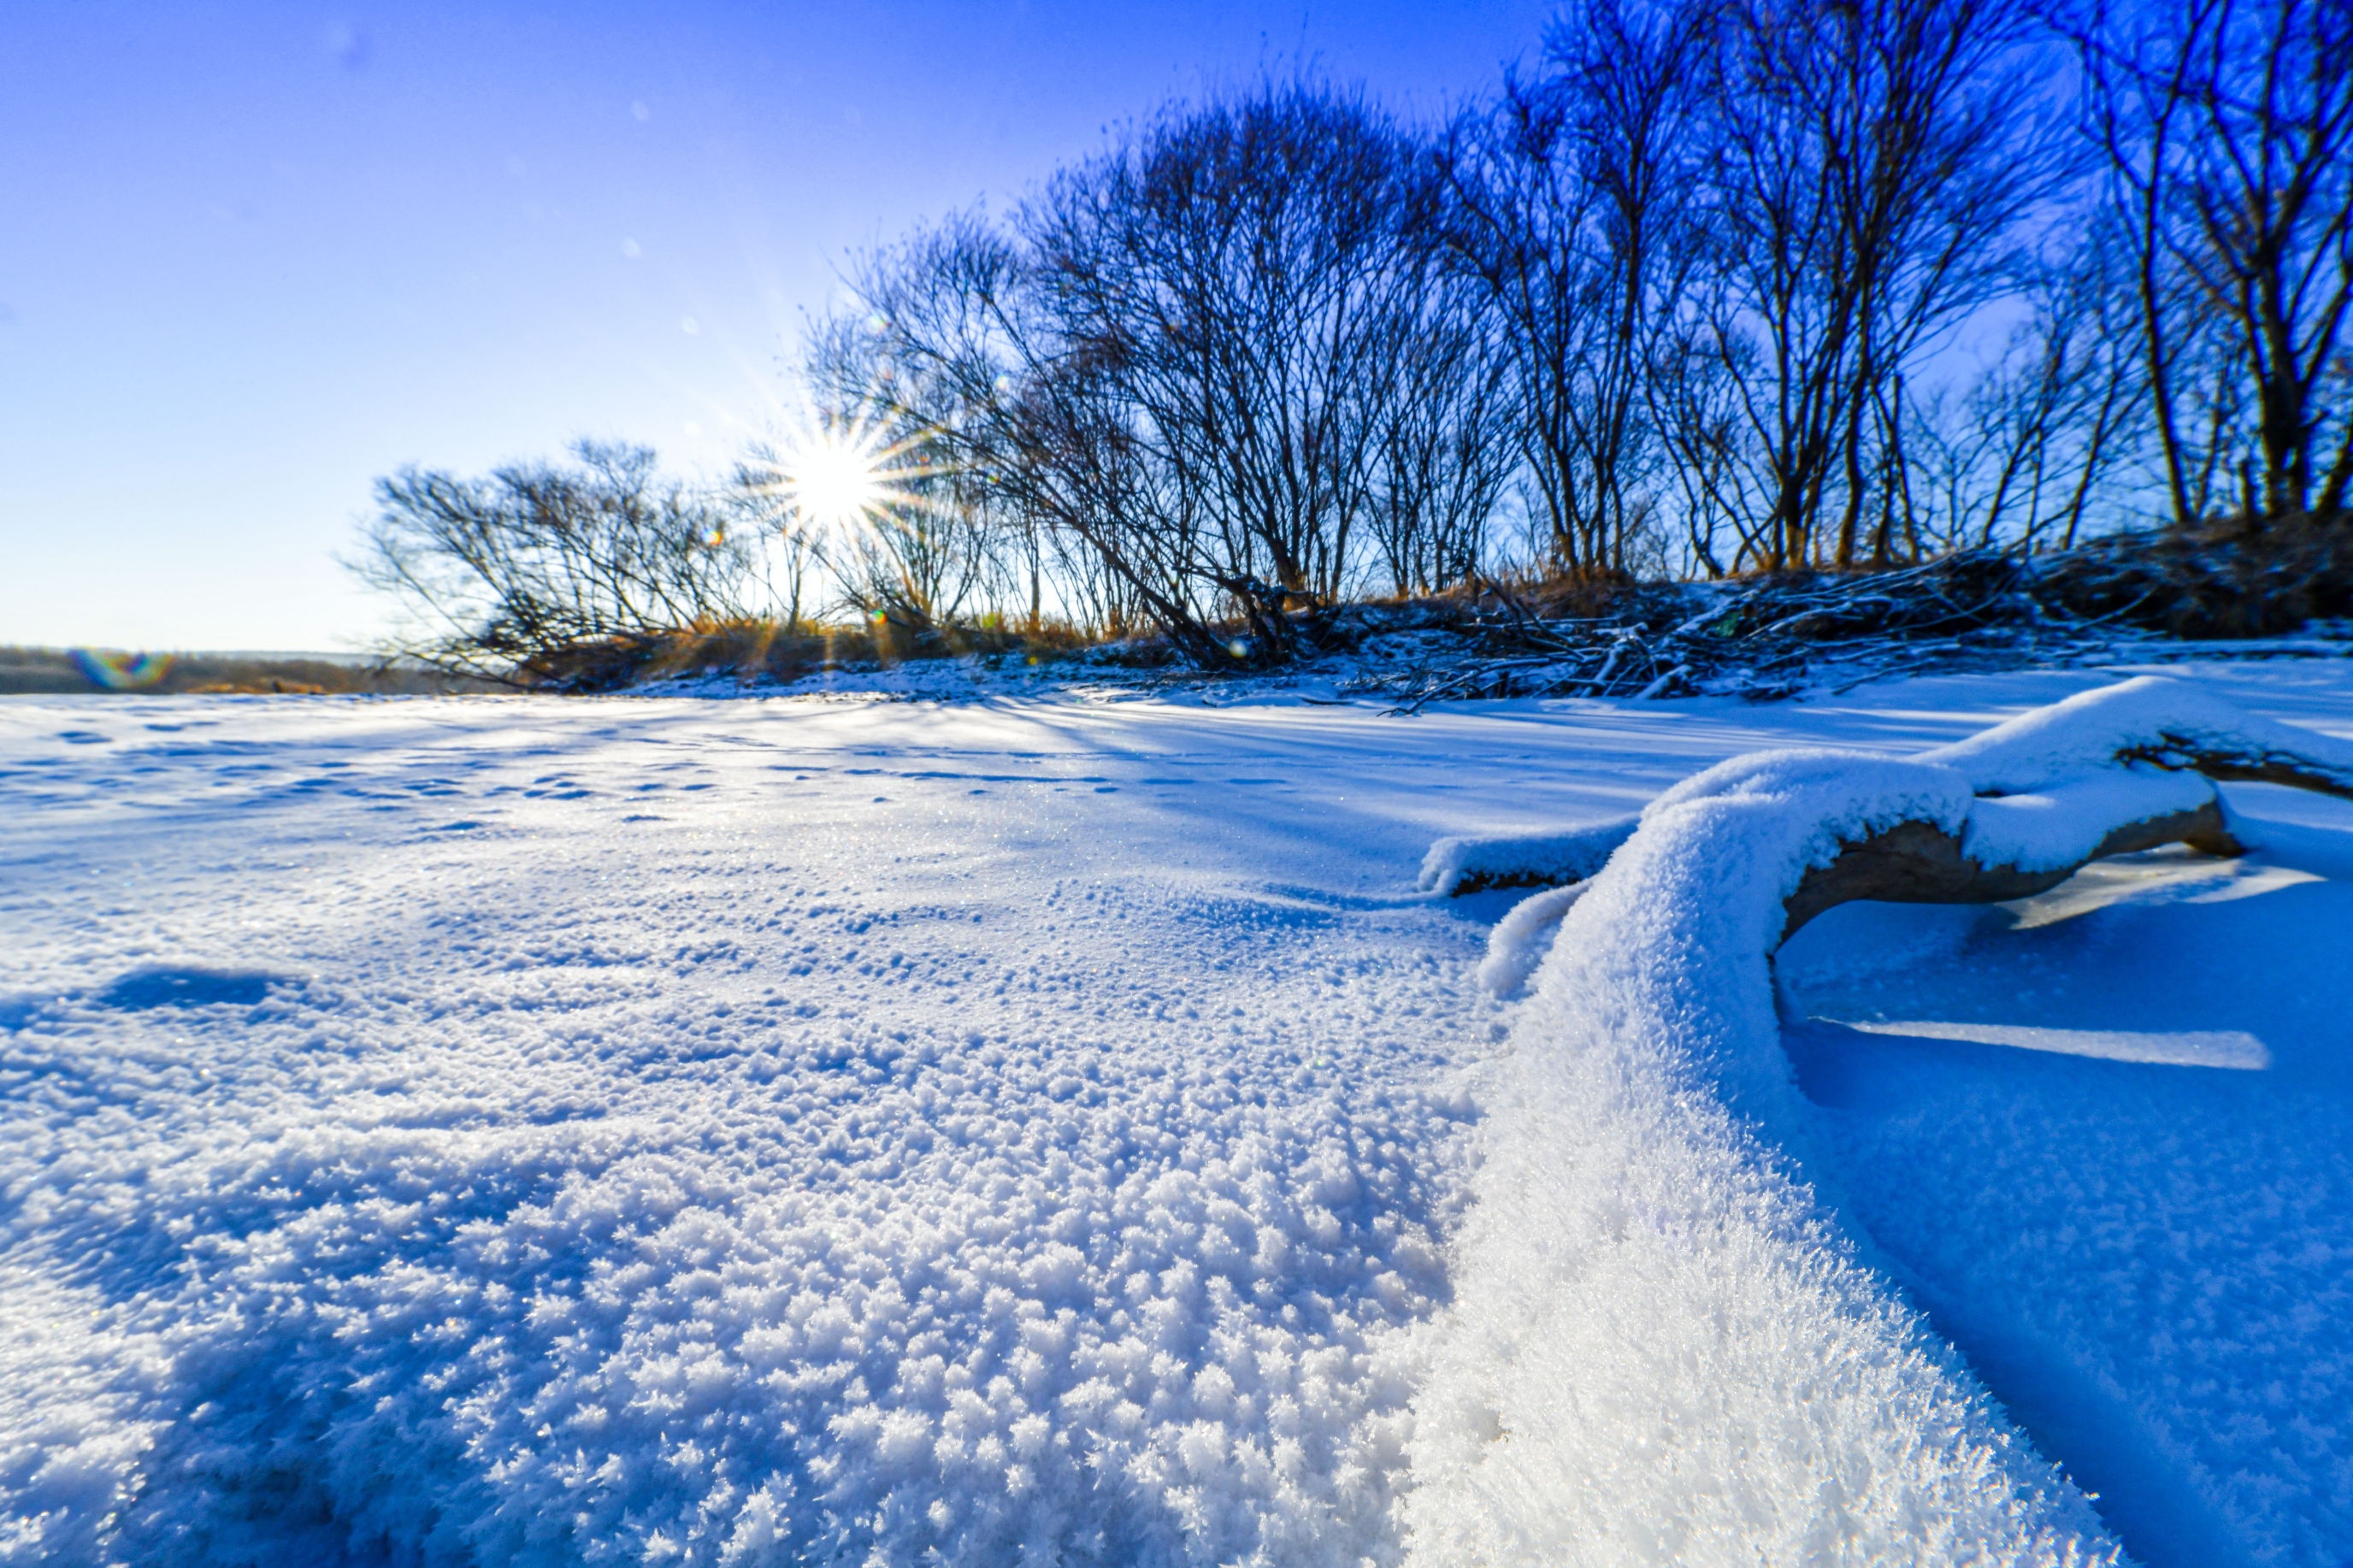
point(2223, 580)
point(2226, 581)
point(763, 650)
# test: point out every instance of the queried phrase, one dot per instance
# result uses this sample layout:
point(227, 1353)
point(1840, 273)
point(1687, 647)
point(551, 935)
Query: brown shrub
point(755, 650)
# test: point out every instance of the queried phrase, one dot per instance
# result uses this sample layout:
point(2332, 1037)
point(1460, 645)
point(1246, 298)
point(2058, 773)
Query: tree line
point(1718, 286)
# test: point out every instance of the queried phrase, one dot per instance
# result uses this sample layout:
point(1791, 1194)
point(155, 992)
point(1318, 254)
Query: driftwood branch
point(1920, 863)
point(2092, 767)
point(2248, 767)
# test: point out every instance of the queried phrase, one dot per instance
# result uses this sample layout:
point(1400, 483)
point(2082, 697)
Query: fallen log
point(1921, 863)
point(1648, 1265)
point(2110, 772)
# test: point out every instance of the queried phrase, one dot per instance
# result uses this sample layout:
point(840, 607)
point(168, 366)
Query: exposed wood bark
point(1497, 881)
point(2269, 767)
point(1920, 863)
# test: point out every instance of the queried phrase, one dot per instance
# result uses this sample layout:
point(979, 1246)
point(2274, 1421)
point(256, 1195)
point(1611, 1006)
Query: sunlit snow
point(747, 1131)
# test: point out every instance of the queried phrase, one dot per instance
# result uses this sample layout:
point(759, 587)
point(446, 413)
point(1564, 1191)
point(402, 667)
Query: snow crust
point(2232, 1048)
point(1661, 1347)
point(2052, 780)
point(1665, 1343)
point(1568, 856)
point(770, 1132)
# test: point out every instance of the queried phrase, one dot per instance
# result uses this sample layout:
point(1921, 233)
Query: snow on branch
point(2107, 772)
point(1648, 1288)
point(1458, 865)
point(2172, 724)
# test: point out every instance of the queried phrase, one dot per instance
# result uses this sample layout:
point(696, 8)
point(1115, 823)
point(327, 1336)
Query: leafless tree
point(923, 552)
point(1573, 201)
point(780, 549)
point(2024, 454)
point(1447, 443)
point(2228, 125)
point(1032, 423)
point(537, 557)
point(1874, 166)
point(1211, 361)
point(1236, 273)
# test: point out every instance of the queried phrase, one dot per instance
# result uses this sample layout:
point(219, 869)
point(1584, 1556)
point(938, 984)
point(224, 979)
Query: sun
point(833, 478)
point(841, 475)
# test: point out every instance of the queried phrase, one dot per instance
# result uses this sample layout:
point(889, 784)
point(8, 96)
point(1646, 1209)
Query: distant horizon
point(267, 255)
point(335, 655)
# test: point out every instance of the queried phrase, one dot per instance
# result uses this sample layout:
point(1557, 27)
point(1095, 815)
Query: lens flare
point(122, 671)
point(842, 475)
point(835, 481)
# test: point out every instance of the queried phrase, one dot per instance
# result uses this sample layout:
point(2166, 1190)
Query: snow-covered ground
point(1044, 1130)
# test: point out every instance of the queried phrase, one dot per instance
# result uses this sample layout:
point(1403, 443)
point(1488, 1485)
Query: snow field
point(794, 1177)
point(2150, 1263)
point(742, 1131)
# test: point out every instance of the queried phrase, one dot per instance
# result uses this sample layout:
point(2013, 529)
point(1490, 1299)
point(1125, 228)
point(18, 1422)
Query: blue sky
point(253, 256)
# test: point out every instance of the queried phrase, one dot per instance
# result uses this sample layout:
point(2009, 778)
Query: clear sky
point(254, 255)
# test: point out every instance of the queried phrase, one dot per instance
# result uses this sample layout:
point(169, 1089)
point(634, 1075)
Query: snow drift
point(1663, 1347)
point(735, 1132)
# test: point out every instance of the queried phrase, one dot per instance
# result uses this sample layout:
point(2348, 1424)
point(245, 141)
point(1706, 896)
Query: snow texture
point(1662, 1349)
point(1523, 937)
point(2149, 1261)
point(549, 1132)
point(742, 1131)
point(2176, 1048)
point(2062, 823)
point(1520, 859)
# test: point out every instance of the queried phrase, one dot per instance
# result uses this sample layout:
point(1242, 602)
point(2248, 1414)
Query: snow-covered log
point(1458, 865)
point(2109, 772)
point(2169, 724)
point(1924, 863)
point(1664, 1346)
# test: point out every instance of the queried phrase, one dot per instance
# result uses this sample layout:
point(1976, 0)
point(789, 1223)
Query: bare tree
point(922, 551)
point(1447, 446)
point(1876, 164)
point(1573, 201)
point(2022, 454)
point(2228, 125)
point(1236, 271)
point(1032, 423)
point(1211, 360)
point(538, 557)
